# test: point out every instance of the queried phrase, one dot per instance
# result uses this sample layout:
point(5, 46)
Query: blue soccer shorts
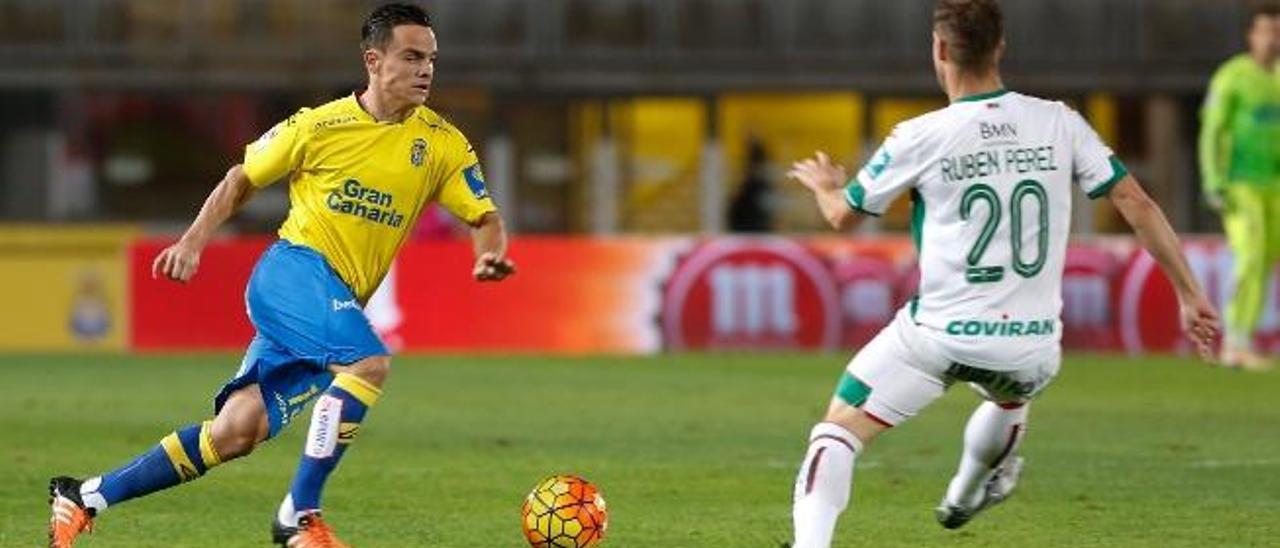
point(306, 320)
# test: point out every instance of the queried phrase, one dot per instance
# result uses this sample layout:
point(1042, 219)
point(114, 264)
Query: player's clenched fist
point(177, 262)
point(491, 267)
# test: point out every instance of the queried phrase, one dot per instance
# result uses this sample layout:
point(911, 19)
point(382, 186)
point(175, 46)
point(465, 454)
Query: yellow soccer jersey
point(356, 185)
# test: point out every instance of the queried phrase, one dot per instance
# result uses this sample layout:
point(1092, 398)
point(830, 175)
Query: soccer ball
point(564, 512)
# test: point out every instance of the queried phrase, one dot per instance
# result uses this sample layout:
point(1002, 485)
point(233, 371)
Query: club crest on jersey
point(475, 181)
point(417, 152)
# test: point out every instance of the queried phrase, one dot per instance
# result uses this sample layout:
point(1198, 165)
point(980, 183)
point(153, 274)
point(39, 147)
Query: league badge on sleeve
point(417, 152)
point(266, 138)
point(878, 164)
point(475, 181)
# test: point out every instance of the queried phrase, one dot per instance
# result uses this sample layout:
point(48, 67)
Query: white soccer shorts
point(902, 370)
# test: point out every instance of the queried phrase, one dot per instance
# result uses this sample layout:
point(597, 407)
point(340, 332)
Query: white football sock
point(1238, 340)
point(90, 496)
point(823, 484)
point(287, 515)
point(992, 435)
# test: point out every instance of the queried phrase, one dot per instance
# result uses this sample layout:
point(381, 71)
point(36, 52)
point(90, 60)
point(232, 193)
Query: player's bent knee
point(235, 437)
point(241, 424)
point(231, 444)
point(373, 369)
point(861, 424)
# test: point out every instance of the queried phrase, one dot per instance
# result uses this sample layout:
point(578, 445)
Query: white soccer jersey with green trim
point(990, 178)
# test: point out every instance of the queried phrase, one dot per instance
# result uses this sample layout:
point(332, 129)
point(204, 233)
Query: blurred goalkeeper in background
point(1240, 164)
point(359, 171)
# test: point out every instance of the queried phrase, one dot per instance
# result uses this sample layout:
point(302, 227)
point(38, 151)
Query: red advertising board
point(644, 295)
point(207, 313)
point(740, 293)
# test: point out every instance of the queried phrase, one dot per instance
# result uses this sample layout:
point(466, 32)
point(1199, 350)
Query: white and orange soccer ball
point(564, 512)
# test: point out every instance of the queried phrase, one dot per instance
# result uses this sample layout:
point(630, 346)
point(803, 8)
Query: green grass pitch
point(689, 451)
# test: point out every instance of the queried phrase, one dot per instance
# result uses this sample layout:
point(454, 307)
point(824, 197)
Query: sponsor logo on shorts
point(1004, 328)
point(283, 407)
point(349, 304)
point(1000, 383)
point(302, 399)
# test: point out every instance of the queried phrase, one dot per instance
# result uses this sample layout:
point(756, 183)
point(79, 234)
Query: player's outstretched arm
point(826, 181)
point(1199, 319)
point(489, 239)
point(179, 261)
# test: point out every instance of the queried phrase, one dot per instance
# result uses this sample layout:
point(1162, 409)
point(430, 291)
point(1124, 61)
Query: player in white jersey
point(991, 181)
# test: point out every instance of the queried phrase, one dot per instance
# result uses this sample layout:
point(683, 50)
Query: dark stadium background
point(617, 137)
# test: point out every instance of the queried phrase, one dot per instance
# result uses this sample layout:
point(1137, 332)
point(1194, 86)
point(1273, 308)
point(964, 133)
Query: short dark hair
point(1263, 8)
point(972, 29)
point(377, 28)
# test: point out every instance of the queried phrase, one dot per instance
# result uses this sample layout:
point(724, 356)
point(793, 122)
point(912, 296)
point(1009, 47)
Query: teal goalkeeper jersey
point(1240, 135)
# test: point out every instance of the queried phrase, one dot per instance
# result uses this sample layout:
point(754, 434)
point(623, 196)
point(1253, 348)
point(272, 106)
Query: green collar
point(982, 96)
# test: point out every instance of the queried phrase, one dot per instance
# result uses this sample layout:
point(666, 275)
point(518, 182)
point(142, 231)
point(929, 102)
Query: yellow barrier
point(66, 288)
point(790, 126)
point(661, 142)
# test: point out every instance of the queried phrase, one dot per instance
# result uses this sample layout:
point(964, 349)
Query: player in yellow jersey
point(359, 171)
